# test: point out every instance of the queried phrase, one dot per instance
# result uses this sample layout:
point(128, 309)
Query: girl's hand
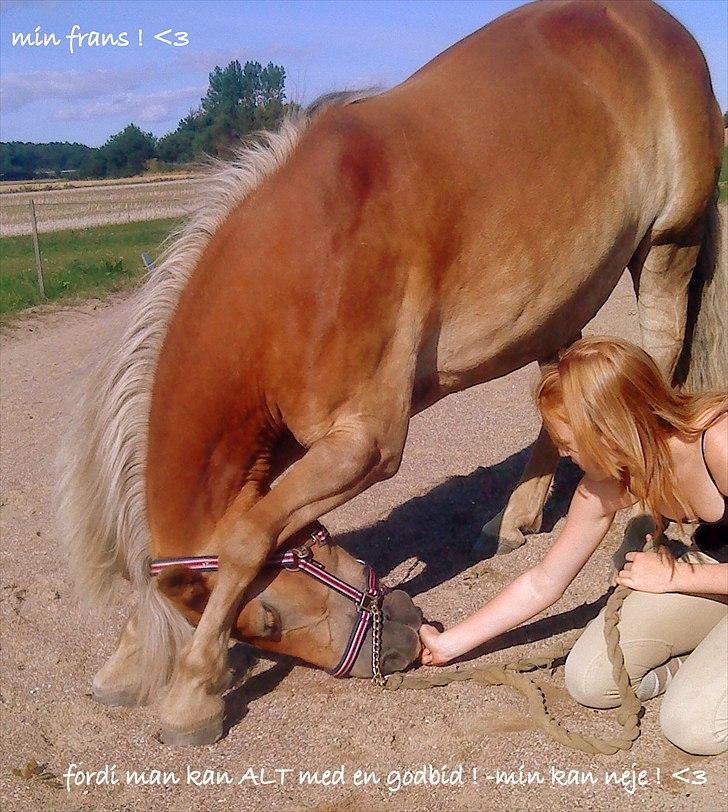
point(432, 653)
point(649, 572)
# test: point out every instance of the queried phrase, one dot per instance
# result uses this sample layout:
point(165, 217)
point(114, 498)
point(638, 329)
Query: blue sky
point(51, 94)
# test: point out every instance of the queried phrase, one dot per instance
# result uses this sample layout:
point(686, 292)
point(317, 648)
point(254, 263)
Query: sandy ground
point(462, 457)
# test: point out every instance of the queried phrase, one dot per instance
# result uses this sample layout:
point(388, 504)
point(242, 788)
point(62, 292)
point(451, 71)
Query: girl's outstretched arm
point(589, 518)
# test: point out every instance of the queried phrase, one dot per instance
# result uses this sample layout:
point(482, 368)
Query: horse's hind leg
point(661, 283)
point(524, 510)
point(661, 275)
point(336, 468)
point(118, 681)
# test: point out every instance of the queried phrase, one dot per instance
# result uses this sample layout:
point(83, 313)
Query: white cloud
point(142, 108)
point(79, 96)
point(19, 89)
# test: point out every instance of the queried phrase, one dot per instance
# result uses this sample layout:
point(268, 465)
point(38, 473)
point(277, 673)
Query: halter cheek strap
point(301, 559)
point(367, 604)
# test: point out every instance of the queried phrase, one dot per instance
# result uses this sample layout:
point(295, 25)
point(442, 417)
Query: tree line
point(239, 100)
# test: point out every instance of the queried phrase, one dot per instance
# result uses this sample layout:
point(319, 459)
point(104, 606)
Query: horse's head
point(290, 612)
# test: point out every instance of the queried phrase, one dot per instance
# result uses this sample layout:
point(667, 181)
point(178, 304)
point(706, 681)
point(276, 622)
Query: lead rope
point(512, 674)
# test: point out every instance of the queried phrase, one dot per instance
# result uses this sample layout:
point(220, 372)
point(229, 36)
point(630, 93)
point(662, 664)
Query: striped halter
point(368, 603)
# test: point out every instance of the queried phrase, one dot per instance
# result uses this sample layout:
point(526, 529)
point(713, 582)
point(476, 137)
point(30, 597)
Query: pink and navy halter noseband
point(301, 559)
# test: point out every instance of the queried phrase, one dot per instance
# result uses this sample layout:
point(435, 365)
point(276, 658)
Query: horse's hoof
point(489, 545)
point(484, 547)
point(126, 697)
point(509, 544)
point(210, 732)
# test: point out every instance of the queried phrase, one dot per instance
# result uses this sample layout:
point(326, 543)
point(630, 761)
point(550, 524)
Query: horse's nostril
point(400, 647)
point(397, 606)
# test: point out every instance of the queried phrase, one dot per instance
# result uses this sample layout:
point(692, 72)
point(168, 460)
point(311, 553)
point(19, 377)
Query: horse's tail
point(100, 497)
point(703, 362)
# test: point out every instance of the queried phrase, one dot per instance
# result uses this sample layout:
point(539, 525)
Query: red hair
point(621, 412)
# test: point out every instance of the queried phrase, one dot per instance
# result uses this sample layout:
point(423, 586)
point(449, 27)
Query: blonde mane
point(100, 495)
point(101, 465)
point(110, 441)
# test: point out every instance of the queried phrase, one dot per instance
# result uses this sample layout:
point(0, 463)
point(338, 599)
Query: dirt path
point(462, 457)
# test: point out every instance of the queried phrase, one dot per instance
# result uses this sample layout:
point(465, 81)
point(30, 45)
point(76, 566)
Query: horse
point(375, 254)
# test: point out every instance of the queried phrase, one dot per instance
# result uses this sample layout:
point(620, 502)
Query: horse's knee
point(372, 452)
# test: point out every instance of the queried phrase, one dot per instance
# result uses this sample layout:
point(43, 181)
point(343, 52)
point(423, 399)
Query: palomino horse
point(367, 260)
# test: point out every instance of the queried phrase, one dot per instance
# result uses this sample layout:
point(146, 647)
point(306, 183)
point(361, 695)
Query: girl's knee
point(588, 677)
point(696, 723)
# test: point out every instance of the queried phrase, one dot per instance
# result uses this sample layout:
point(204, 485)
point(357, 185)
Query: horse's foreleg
point(333, 470)
point(524, 510)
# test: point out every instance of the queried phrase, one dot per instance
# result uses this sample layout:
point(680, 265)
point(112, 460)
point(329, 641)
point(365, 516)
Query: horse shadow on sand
point(440, 527)
point(437, 529)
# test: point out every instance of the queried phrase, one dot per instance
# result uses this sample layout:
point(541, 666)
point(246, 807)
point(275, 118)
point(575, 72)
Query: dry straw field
point(61, 205)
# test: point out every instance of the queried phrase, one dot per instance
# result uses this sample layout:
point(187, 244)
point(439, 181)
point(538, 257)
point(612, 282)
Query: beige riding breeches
point(654, 628)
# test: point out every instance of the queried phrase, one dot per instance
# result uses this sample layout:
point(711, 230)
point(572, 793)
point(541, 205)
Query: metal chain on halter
point(628, 713)
point(377, 676)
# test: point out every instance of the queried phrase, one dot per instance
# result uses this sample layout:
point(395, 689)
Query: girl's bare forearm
point(518, 602)
point(707, 579)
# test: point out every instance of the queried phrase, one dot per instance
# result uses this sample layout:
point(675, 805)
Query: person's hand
point(649, 572)
point(432, 653)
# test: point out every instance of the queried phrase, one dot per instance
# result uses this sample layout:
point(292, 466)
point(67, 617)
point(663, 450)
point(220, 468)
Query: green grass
point(84, 261)
point(723, 180)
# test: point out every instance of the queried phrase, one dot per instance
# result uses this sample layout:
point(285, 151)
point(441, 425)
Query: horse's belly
point(493, 329)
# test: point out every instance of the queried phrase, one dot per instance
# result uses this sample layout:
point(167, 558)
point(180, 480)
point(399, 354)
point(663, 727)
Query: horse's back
point(448, 231)
point(560, 127)
point(554, 69)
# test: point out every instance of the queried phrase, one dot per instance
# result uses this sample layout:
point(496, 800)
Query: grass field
point(78, 261)
point(723, 182)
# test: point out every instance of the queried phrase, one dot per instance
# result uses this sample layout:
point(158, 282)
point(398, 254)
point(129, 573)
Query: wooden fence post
point(38, 264)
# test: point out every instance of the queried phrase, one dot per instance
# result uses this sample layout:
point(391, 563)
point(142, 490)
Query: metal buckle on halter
point(369, 602)
point(299, 554)
point(321, 536)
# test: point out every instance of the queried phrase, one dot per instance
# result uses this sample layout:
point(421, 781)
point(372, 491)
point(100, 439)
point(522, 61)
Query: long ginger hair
point(621, 412)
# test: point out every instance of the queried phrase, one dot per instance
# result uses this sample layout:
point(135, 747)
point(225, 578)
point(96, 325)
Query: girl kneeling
point(606, 405)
